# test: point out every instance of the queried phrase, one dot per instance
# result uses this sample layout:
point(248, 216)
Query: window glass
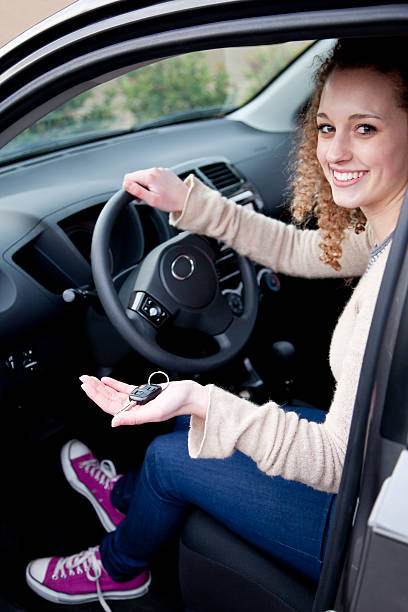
point(182, 88)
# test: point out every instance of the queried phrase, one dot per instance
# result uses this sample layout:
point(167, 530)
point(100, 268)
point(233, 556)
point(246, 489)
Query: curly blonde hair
point(311, 195)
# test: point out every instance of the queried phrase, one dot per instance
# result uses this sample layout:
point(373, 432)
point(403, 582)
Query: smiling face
point(363, 140)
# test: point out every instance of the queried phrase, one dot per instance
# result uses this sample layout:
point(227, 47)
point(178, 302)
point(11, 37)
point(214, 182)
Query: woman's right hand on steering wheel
point(158, 187)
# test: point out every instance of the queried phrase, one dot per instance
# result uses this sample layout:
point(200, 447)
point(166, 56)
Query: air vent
point(221, 176)
point(228, 272)
point(229, 279)
point(184, 175)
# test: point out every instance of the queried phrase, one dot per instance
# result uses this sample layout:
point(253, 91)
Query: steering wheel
point(177, 281)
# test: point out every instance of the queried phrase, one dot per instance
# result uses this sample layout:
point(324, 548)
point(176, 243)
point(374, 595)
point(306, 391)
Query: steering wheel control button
point(153, 311)
point(236, 303)
point(9, 364)
point(182, 267)
point(30, 364)
point(268, 280)
point(148, 307)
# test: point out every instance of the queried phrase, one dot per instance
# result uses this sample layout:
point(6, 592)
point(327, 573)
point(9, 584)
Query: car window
point(183, 88)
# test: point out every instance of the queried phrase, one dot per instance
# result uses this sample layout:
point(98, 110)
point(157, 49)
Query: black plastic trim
point(394, 425)
point(75, 19)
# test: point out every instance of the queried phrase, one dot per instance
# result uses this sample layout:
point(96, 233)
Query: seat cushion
point(220, 572)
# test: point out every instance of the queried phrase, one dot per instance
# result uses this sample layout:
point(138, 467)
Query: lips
point(345, 178)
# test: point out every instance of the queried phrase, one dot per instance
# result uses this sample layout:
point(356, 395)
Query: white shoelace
point(103, 472)
point(87, 562)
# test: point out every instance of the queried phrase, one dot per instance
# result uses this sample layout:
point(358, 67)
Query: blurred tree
point(266, 62)
point(173, 85)
point(82, 113)
point(153, 91)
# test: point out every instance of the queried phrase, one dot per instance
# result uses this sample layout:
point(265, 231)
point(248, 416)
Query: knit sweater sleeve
point(270, 242)
point(279, 441)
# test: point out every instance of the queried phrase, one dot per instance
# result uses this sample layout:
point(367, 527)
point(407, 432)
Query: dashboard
point(50, 317)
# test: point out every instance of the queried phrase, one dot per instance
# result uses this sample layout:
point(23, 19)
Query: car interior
point(55, 327)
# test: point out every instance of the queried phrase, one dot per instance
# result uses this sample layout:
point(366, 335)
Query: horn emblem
point(182, 267)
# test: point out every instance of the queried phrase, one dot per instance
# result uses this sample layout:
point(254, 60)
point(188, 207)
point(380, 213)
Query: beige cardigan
point(278, 441)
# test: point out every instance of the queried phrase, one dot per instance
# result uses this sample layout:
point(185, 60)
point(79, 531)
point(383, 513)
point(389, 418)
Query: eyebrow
point(355, 116)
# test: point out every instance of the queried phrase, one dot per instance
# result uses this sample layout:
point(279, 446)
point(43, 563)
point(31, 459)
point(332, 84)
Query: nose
point(339, 148)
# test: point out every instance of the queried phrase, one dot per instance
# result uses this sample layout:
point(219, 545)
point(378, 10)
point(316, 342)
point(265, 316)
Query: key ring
point(159, 372)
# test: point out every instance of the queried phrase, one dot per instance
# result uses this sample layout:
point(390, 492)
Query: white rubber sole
point(76, 484)
point(47, 593)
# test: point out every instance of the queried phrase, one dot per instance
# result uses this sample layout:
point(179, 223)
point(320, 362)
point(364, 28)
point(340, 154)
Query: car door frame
point(34, 82)
point(55, 64)
point(371, 456)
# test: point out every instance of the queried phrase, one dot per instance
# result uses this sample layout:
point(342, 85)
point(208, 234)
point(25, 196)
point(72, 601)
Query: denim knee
point(163, 459)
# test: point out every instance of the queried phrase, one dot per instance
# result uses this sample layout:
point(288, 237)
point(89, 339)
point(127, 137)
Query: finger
point(123, 418)
point(148, 196)
point(136, 189)
point(117, 385)
point(109, 400)
point(153, 412)
point(133, 417)
point(86, 377)
point(95, 395)
point(91, 384)
point(143, 177)
point(146, 177)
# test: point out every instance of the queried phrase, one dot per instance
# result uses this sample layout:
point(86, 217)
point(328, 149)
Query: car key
point(140, 396)
point(143, 394)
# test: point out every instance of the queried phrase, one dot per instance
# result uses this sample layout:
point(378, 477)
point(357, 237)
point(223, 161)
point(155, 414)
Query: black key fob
point(145, 393)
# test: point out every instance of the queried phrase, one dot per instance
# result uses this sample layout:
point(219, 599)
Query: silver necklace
point(377, 250)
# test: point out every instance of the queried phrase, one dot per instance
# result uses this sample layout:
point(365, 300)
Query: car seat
point(220, 572)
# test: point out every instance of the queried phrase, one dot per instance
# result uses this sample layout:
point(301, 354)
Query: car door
point(367, 550)
point(95, 41)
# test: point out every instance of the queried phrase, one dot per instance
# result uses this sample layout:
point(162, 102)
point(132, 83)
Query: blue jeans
point(286, 519)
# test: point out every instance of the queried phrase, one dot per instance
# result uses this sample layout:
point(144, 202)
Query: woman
point(351, 174)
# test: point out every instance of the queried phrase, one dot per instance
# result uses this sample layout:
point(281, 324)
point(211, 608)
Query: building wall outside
point(16, 16)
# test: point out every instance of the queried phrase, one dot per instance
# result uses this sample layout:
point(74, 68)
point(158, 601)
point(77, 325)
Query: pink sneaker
point(93, 479)
point(81, 578)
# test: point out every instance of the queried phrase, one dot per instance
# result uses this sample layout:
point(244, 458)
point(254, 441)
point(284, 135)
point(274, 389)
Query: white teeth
point(347, 176)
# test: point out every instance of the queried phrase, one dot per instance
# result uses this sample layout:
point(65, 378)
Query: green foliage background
point(191, 81)
point(174, 85)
